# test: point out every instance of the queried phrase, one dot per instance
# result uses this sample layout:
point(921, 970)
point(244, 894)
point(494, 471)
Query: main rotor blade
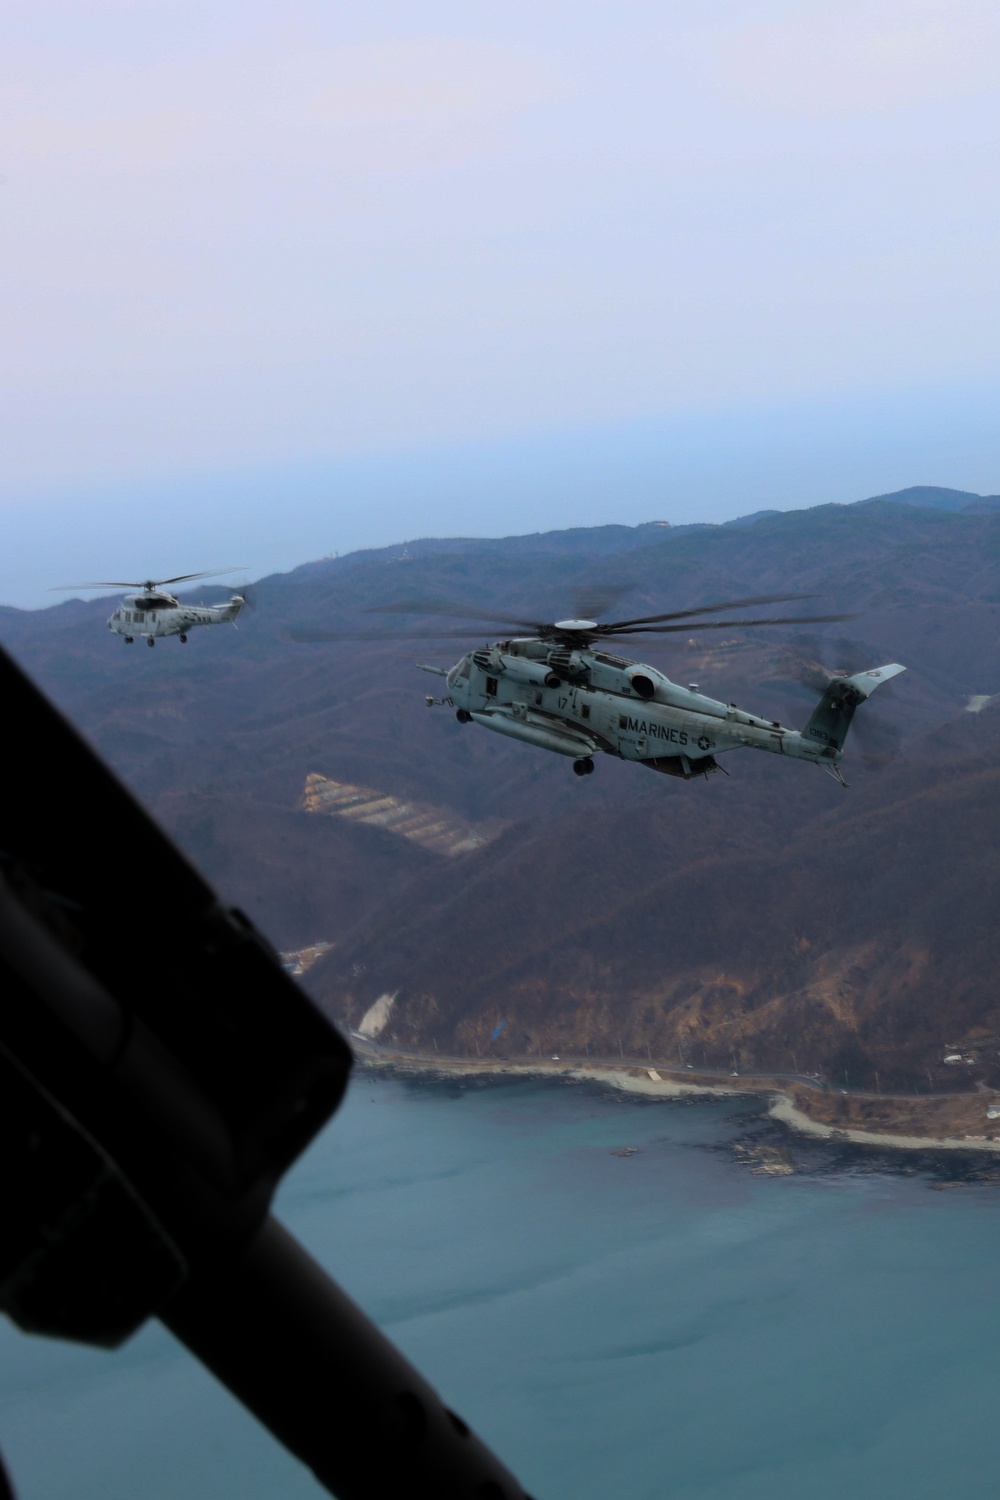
point(307, 636)
point(708, 609)
point(720, 625)
point(141, 583)
point(589, 601)
point(212, 573)
point(455, 611)
point(592, 600)
point(65, 588)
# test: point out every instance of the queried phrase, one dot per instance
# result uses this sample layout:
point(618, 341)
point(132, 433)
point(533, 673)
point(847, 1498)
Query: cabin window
point(491, 687)
point(585, 710)
point(460, 672)
point(623, 721)
point(139, 617)
point(538, 697)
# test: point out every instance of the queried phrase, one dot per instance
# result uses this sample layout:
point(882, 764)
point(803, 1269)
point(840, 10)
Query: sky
point(280, 278)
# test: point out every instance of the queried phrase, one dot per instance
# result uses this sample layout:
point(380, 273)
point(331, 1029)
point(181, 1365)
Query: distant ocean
point(657, 1324)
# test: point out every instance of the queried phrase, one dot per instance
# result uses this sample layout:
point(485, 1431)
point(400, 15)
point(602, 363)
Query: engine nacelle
point(521, 669)
point(647, 683)
point(567, 666)
point(642, 685)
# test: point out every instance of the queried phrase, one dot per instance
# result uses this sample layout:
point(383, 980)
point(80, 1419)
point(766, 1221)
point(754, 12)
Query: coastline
point(783, 1108)
point(634, 1079)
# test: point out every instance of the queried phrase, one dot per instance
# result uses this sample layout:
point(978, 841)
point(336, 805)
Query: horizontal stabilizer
point(867, 682)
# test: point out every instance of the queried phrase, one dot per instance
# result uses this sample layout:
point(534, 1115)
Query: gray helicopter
point(558, 688)
point(152, 612)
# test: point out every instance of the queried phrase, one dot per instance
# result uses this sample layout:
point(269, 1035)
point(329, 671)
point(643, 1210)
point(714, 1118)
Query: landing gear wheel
point(583, 767)
point(128, 640)
point(463, 716)
point(183, 640)
point(150, 641)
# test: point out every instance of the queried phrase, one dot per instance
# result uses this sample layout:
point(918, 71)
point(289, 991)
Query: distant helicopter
point(152, 612)
point(558, 689)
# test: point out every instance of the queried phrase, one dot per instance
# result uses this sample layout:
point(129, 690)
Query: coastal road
point(675, 1072)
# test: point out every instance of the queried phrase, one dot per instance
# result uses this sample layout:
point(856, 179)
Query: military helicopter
point(152, 612)
point(558, 688)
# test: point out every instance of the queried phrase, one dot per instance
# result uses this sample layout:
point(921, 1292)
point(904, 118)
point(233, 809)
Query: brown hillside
point(855, 933)
point(758, 916)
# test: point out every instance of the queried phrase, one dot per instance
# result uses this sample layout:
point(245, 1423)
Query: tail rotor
point(819, 663)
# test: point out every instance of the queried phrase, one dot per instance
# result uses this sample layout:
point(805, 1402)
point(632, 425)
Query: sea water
point(662, 1323)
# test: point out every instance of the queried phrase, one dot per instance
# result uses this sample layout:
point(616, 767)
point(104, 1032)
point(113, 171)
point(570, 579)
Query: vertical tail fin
point(831, 718)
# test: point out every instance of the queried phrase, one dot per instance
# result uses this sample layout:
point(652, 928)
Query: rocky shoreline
point(907, 1123)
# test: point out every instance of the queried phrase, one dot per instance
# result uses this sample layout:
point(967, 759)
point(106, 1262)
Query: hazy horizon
point(698, 469)
point(286, 280)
